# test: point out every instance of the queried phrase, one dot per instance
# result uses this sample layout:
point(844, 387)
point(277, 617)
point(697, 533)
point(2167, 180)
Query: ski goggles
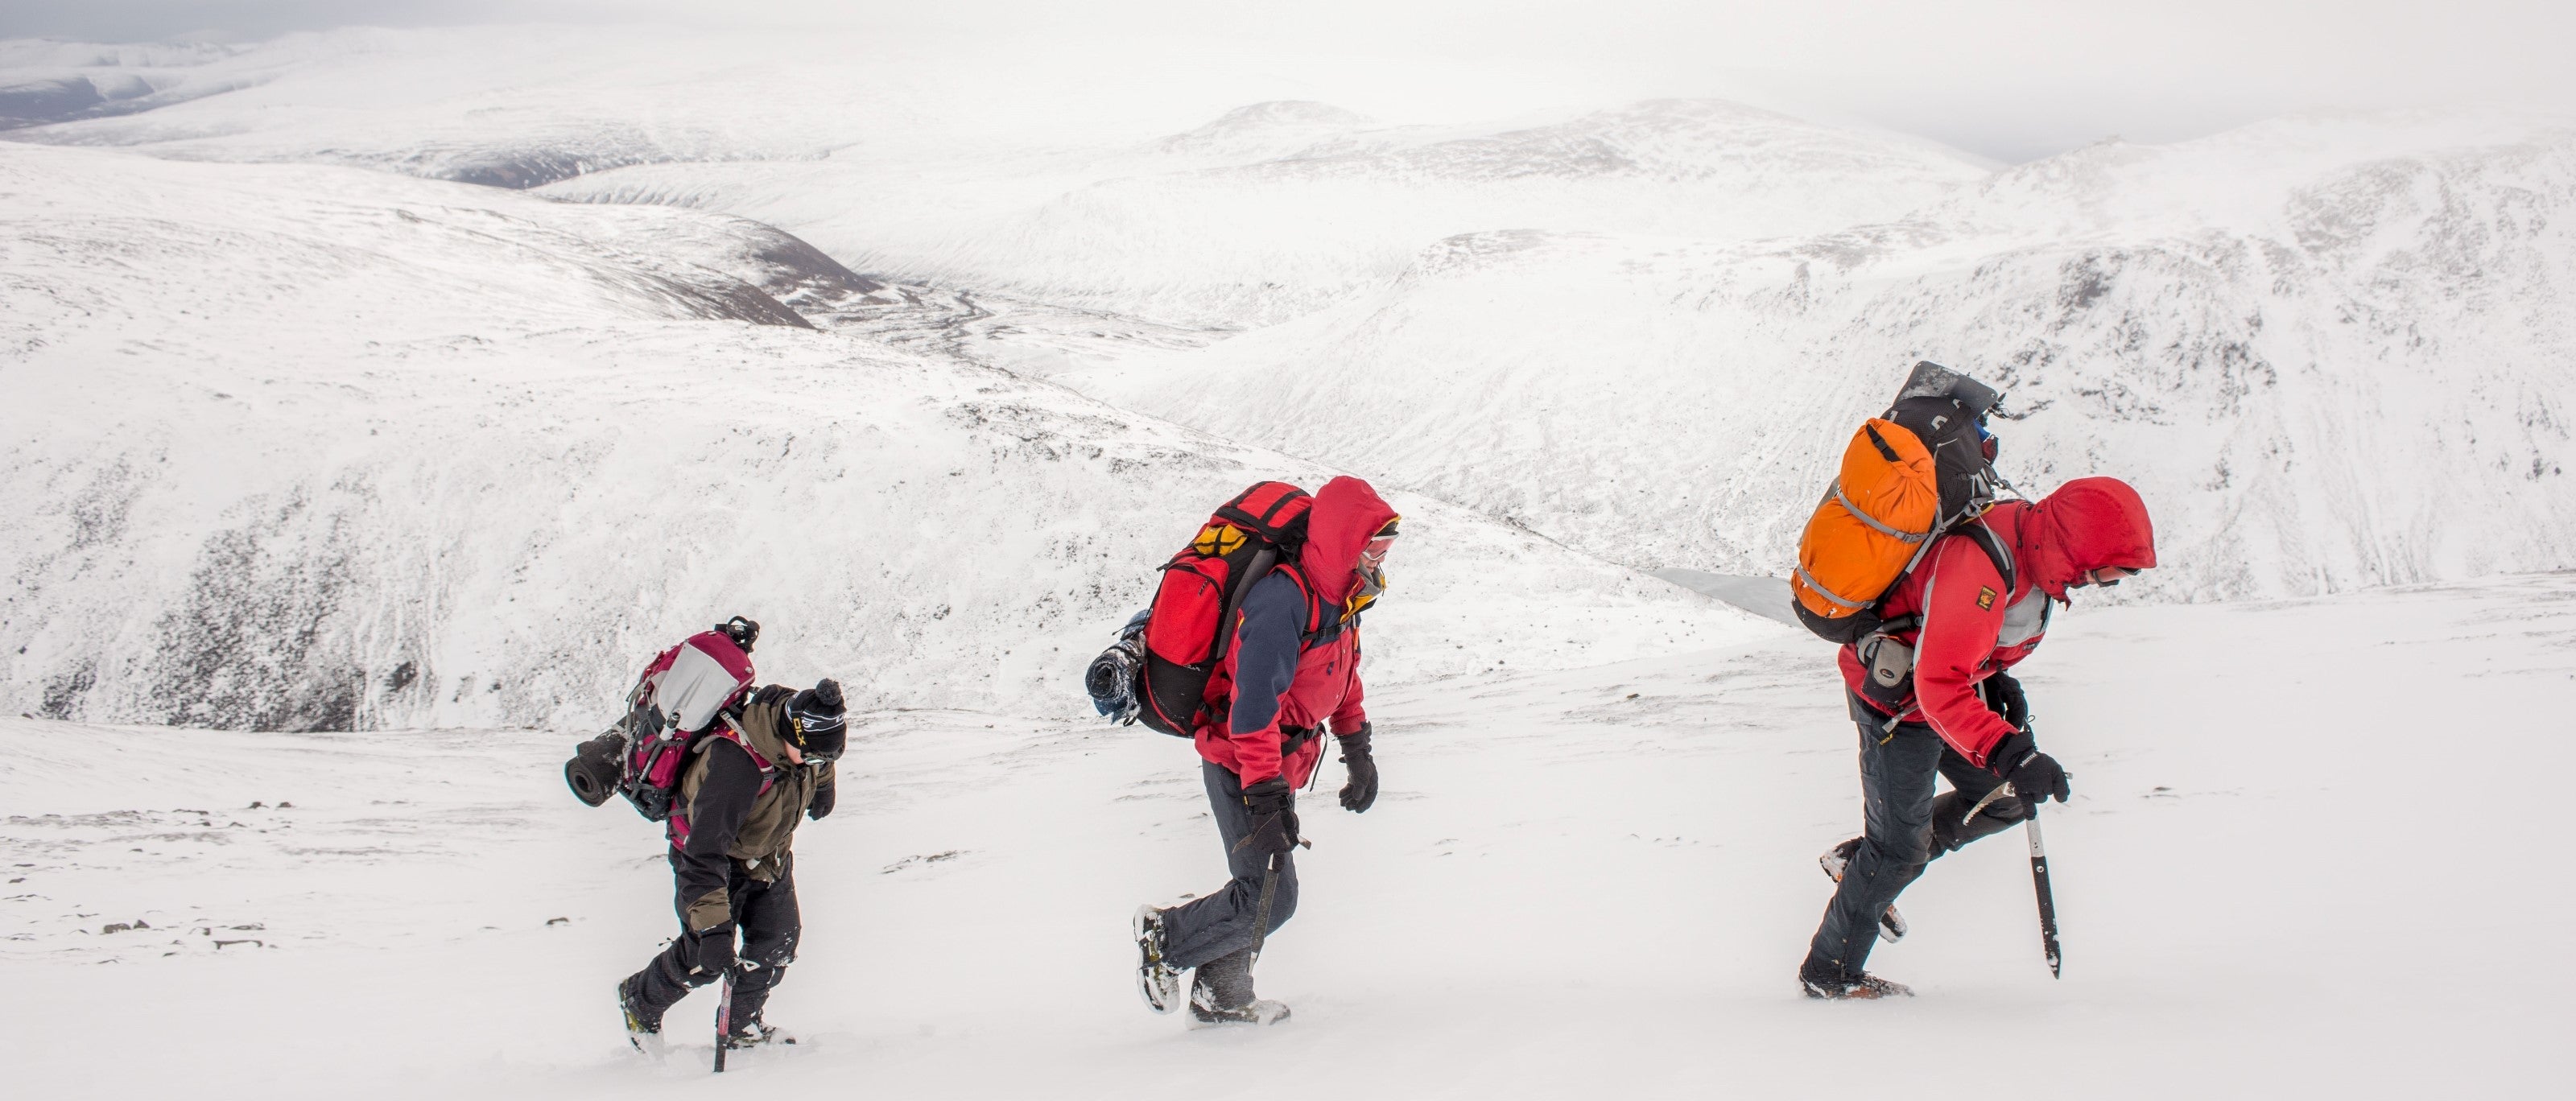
point(2107, 576)
point(1372, 570)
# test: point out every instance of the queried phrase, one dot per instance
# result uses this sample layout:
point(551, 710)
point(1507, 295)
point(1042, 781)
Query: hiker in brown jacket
point(750, 781)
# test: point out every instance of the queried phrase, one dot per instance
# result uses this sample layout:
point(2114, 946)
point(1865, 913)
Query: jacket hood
point(2089, 523)
point(1347, 512)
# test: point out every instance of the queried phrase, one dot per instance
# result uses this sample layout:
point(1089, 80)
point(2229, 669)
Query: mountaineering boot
point(1259, 1011)
point(753, 1033)
point(1832, 983)
point(1156, 980)
point(1221, 994)
point(643, 1028)
point(1891, 925)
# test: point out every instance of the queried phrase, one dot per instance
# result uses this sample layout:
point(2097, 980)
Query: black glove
point(1359, 793)
point(825, 795)
point(711, 951)
point(2035, 776)
point(1274, 816)
point(2005, 698)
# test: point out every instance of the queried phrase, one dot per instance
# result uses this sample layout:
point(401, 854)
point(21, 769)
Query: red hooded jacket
point(1972, 629)
point(1274, 675)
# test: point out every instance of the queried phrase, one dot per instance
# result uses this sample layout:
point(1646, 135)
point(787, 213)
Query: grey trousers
point(1903, 826)
point(1219, 925)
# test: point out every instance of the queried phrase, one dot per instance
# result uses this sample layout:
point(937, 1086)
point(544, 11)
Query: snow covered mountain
point(296, 447)
point(919, 168)
point(2333, 352)
point(1274, 210)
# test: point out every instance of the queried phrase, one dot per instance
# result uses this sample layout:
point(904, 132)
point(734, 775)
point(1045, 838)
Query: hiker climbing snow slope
point(1286, 674)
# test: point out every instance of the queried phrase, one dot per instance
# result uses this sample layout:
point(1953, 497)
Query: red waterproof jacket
point(1972, 628)
point(1295, 658)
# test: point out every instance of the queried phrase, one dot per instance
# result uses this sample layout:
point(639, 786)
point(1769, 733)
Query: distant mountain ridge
point(2340, 368)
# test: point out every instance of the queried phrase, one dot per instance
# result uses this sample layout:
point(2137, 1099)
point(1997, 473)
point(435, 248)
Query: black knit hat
point(822, 721)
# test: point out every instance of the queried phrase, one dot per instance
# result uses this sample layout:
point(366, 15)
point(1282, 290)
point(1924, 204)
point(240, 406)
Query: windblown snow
point(2331, 346)
point(378, 401)
point(2271, 882)
point(2332, 351)
point(318, 448)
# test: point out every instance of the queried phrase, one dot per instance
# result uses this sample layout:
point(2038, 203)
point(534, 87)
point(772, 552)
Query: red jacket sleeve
point(1350, 716)
point(1963, 613)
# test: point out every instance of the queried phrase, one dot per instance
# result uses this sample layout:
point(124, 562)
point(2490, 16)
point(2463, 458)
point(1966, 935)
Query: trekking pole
point(2038, 876)
point(724, 1019)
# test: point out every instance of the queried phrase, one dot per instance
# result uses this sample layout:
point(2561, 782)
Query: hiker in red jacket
point(1291, 675)
point(1978, 604)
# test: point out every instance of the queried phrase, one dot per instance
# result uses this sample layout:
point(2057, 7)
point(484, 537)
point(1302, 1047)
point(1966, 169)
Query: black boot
point(1824, 980)
point(753, 1033)
point(643, 1020)
point(1221, 994)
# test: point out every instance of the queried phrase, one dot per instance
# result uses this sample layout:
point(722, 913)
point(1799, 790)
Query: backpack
point(1159, 671)
point(679, 699)
point(1909, 477)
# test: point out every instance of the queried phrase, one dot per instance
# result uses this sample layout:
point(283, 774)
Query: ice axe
point(1269, 890)
point(724, 1019)
point(2038, 874)
point(1261, 913)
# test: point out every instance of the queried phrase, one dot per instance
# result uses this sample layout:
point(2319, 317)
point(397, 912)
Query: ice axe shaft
point(724, 1019)
point(2038, 876)
point(2047, 903)
point(1261, 913)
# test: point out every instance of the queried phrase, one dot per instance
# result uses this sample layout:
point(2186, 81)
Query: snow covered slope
point(2333, 352)
point(1276, 209)
point(1595, 883)
point(295, 447)
point(1174, 190)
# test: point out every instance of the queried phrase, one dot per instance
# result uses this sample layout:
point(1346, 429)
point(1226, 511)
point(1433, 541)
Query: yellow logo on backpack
point(1216, 540)
point(1870, 524)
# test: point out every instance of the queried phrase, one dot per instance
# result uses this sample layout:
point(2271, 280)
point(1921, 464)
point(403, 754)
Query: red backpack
point(1190, 626)
point(681, 696)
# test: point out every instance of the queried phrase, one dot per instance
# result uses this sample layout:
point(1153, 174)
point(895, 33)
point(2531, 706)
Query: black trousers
point(1903, 827)
point(765, 921)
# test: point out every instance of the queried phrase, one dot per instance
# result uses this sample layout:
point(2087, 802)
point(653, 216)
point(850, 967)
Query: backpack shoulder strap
point(1996, 552)
point(1321, 626)
point(731, 731)
point(1974, 531)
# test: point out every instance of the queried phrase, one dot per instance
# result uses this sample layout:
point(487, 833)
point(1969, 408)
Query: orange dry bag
point(1870, 524)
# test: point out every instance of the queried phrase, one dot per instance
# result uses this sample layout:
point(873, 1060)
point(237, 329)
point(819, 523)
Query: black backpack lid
point(1931, 380)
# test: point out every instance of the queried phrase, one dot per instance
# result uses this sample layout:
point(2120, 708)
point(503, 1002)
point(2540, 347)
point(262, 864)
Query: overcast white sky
point(2011, 79)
